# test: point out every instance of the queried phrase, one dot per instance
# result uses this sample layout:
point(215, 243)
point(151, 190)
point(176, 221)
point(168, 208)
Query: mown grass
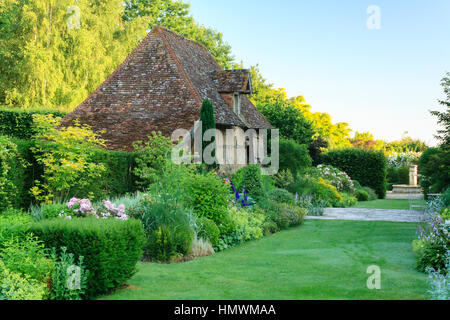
point(387, 204)
point(319, 260)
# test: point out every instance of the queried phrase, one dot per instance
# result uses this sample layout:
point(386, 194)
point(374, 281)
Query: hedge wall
point(117, 180)
point(367, 166)
point(18, 122)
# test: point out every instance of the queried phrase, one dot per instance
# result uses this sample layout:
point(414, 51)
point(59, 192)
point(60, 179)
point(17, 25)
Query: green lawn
point(319, 260)
point(387, 204)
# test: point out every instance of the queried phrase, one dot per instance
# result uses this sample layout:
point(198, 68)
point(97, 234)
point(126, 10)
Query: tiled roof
point(160, 86)
point(229, 81)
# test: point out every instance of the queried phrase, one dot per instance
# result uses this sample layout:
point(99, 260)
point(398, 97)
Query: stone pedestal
point(413, 175)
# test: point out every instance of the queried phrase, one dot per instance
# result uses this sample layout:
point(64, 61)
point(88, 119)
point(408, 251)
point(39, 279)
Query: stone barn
point(160, 87)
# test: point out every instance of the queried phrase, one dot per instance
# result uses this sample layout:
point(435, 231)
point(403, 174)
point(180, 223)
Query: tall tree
point(444, 117)
point(55, 52)
point(208, 122)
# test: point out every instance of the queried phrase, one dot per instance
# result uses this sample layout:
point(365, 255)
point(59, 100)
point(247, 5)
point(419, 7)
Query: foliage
point(289, 120)
point(16, 286)
point(293, 156)
point(249, 178)
point(14, 227)
point(18, 123)
point(362, 195)
point(28, 257)
point(283, 215)
point(47, 60)
point(201, 248)
point(439, 281)
point(63, 286)
point(318, 188)
point(313, 206)
point(348, 200)
point(367, 166)
point(248, 227)
point(151, 157)
point(337, 178)
point(110, 247)
point(207, 195)
point(433, 167)
point(51, 211)
point(208, 123)
point(444, 117)
point(365, 140)
point(281, 196)
point(65, 154)
point(9, 162)
point(168, 241)
point(208, 230)
point(404, 159)
point(283, 179)
point(316, 147)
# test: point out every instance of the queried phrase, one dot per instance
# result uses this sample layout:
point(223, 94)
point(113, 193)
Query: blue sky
point(383, 81)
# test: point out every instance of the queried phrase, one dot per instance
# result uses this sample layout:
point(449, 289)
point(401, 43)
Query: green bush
point(110, 247)
point(27, 257)
point(169, 241)
point(367, 166)
point(371, 193)
point(293, 156)
point(319, 188)
point(249, 178)
point(207, 195)
point(208, 230)
point(52, 210)
point(280, 195)
point(433, 169)
point(403, 175)
point(347, 201)
point(16, 286)
point(14, 226)
point(19, 122)
point(282, 214)
point(362, 195)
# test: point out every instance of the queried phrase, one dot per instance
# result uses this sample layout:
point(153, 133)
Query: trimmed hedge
point(18, 122)
point(110, 247)
point(118, 179)
point(367, 166)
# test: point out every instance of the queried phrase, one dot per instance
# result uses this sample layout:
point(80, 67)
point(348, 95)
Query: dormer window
point(237, 103)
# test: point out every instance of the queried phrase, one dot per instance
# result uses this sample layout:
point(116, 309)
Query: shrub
point(27, 257)
point(371, 193)
point(66, 155)
point(65, 267)
point(284, 179)
point(52, 211)
point(284, 215)
point(403, 175)
point(249, 178)
point(347, 201)
point(18, 123)
point(208, 230)
point(110, 247)
point(314, 207)
point(10, 165)
point(207, 195)
point(270, 227)
point(248, 227)
point(15, 286)
point(337, 178)
point(367, 166)
point(168, 241)
point(319, 188)
point(293, 156)
point(151, 157)
point(280, 195)
point(14, 226)
point(433, 168)
point(362, 195)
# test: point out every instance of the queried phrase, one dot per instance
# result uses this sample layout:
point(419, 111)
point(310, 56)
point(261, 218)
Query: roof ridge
point(185, 76)
point(189, 40)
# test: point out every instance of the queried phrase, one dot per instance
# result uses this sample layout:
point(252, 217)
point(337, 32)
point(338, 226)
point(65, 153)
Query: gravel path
point(370, 215)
